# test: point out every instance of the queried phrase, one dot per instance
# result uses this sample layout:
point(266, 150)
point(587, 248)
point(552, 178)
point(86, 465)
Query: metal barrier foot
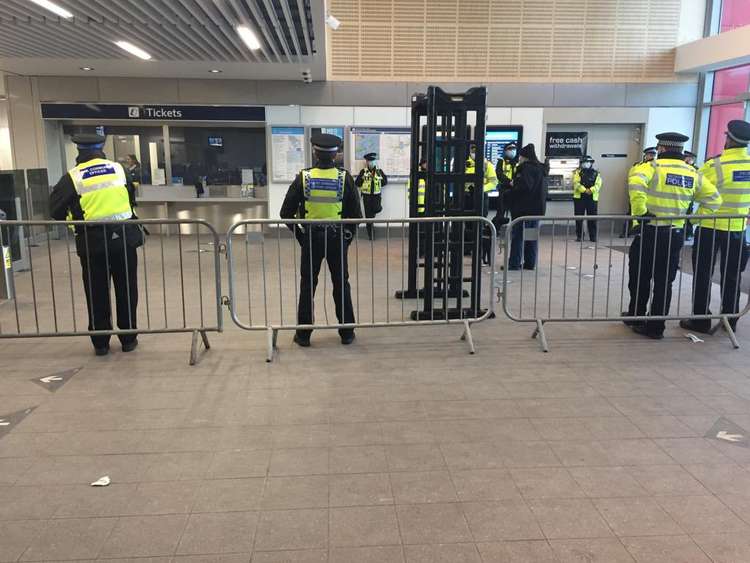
point(468, 337)
point(730, 332)
point(195, 344)
point(539, 333)
point(271, 334)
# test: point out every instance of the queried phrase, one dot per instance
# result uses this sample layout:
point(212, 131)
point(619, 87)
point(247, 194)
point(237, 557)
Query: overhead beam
point(728, 49)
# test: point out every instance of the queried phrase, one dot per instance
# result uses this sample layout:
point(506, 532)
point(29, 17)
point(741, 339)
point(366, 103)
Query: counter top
point(199, 201)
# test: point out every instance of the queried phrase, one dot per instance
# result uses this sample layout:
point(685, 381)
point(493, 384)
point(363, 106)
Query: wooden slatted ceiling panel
point(502, 40)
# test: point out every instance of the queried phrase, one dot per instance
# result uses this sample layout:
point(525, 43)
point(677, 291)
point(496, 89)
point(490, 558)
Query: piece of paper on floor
point(693, 338)
point(101, 482)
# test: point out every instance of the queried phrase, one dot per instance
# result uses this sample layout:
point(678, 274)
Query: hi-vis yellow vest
point(371, 182)
point(324, 192)
point(730, 172)
point(102, 186)
point(490, 175)
point(666, 187)
point(421, 194)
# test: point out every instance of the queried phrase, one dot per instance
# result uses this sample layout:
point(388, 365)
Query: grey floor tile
point(20, 503)
point(740, 505)
point(637, 517)
point(221, 495)
point(478, 455)
point(84, 501)
point(665, 549)
point(228, 532)
point(501, 520)
point(432, 523)
point(292, 530)
point(517, 552)
point(667, 480)
point(722, 479)
point(485, 484)
point(420, 487)
point(569, 518)
point(692, 450)
point(552, 482)
point(238, 464)
point(381, 554)
point(310, 491)
point(213, 558)
point(601, 482)
point(300, 556)
point(703, 515)
point(442, 553)
point(590, 551)
point(360, 489)
point(176, 497)
point(666, 426)
point(364, 526)
point(144, 536)
point(299, 461)
point(358, 459)
point(16, 536)
point(414, 457)
point(725, 548)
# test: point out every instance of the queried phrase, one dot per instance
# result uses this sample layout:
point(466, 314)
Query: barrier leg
point(539, 333)
point(466, 336)
point(271, 343)
point(730, 333)
point(204, 337)
point(194, 349)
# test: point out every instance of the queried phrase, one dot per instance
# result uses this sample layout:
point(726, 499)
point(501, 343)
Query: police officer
point(421, 188)
point(649, 154)
point(323, 192)
point(690, 160)
point(490, 178)
point(587, 182)
point(370, 182)
point(660, 188)
point(98, 189)
point(505, 170)
point(730, 172)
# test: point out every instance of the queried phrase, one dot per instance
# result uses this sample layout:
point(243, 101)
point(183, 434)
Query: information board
point(497, 137)
point(392, 145)
point(287, 152)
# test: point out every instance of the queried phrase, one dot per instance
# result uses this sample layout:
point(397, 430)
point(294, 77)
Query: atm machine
point(560, 179)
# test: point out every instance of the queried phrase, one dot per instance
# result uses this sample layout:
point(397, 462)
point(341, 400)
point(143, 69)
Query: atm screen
point(216, 142)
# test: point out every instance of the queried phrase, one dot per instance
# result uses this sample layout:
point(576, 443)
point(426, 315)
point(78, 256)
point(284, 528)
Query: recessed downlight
point(54, 8)
point(248, 36)
point(133, 50)
point(215, 71)
point(87, 68)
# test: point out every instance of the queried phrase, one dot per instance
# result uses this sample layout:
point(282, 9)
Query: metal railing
point(611, 278)
point(178, 289)
point(266, 261)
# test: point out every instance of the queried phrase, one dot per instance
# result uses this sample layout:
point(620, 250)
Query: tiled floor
point(401, 448)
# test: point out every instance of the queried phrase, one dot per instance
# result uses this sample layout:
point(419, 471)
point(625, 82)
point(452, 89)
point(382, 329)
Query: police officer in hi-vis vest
point(724, 238)
point(98, 189)
point(587, 183)
point(323, 192)
point(370, 182)
point(661, 188)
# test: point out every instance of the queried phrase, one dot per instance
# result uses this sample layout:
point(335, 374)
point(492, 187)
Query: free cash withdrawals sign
point(566, 144)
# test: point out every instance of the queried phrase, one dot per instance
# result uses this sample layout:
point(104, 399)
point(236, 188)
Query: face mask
point(473, 155)
point(372, 164)
point(586, 165)
point(510, 154)
point(690, 162)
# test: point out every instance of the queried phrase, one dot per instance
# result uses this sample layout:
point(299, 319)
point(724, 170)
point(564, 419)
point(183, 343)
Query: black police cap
point(672, 139)
point(371, 156)
point(88, 140)
point(587, 158)
point(689, 153)
point(739, 130)
point(649, 150)
point(325, 142)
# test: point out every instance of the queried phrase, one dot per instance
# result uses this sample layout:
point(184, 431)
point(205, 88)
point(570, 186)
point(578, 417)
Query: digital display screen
point(216, 141)
point(496, 138)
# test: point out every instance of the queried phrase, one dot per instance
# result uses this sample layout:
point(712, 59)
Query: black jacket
point(64, 198)
point(294, 202)
point(528, 196)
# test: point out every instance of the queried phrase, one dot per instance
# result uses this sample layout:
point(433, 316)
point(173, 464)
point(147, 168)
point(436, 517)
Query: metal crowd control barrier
point(265, 263)
point(579, 281)
point(174, 281)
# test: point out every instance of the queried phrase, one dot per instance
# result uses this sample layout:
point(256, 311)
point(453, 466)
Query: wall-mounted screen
point(497, 137)
point(216, 142)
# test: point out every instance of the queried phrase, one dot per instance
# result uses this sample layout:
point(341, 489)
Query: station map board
point(288, 152)
point(392, 145)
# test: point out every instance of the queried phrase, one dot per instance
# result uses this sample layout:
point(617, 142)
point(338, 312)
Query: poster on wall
point(565, 143)
point(392, 145)
point(497, 137)
point(339, 132)
point(288, 152)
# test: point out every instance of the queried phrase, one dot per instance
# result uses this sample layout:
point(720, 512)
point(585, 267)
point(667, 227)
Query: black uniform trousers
point(729, 246)
point(119, 262)
point(585, 205)
point(317, 244)
point(652, 268)
point(372, 204)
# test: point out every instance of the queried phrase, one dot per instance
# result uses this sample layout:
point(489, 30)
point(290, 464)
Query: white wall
point(660, 120)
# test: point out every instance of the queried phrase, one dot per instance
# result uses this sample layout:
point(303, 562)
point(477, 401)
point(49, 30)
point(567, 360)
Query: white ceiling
point(186, 38)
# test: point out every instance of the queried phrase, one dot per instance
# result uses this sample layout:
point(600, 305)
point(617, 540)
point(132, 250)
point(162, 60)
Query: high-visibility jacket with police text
point(666, 187)
point(323, 190)
point(730, 173)
point(102, 187)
